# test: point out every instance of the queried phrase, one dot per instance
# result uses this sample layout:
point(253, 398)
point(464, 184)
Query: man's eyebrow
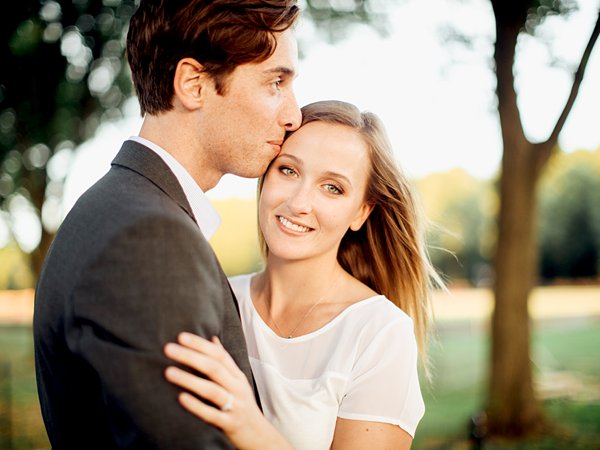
point(284, 70)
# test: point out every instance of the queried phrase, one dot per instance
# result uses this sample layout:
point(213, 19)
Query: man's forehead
point(286, 51)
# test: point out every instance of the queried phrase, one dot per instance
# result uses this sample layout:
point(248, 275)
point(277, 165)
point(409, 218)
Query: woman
point(329, 322)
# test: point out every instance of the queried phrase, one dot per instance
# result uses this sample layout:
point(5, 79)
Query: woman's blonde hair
point(388, 252)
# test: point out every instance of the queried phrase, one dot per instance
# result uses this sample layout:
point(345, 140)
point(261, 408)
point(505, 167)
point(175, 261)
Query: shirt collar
point(206, 215)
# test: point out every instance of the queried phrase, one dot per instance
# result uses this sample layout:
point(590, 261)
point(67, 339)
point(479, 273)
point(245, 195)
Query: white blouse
point(362, 365)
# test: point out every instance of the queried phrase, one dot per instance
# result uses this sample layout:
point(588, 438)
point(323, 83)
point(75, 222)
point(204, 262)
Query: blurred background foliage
point(569, 223)
point(62, 74)
point(461, 234)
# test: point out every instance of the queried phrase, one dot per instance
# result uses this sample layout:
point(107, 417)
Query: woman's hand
point(237, 413)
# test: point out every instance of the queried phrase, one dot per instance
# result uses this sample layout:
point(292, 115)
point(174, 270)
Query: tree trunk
point(512, 408)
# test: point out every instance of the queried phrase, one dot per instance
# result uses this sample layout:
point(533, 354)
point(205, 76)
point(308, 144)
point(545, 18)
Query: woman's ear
point(361, 217)
point(190, 83)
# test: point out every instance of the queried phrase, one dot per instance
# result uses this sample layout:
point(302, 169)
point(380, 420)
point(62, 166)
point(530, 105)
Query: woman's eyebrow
point(328, 173)
point(337, 175)
point(292, 157)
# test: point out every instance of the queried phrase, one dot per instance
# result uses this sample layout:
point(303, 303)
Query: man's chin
point(253, 172)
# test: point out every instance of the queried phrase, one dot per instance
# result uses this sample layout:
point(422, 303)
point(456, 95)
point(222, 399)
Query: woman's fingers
point(235, 410)
point(212, 360)
point(206, 389)
point(205, 412)
point(209, 366)
point(213, 349)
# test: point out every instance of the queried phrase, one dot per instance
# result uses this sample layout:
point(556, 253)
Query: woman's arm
point(236, 411)
point(361, 434)
point(244, 424)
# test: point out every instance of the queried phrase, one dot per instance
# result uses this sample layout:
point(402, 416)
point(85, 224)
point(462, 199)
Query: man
point(131, 267)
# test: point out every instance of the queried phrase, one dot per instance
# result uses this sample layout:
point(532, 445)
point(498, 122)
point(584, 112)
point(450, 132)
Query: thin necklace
point(291, 333)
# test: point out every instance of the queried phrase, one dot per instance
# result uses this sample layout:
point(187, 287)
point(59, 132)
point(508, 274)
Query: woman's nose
point(300, 200)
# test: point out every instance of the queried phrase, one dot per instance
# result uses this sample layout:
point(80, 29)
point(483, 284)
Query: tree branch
point(551, 141)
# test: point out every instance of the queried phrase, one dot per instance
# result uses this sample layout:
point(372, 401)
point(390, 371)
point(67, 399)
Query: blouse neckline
point(312, 334)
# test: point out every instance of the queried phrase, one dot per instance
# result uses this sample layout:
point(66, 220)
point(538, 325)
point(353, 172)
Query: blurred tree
point(335, 17)
point(512, 406)
point(461, 238)
point(62, 73)
point(570, 217)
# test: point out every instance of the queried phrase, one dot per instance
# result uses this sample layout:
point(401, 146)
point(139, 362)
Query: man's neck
point(171, 134)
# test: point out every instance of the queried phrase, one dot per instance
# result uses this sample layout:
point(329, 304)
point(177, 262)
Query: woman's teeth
point(292, 226)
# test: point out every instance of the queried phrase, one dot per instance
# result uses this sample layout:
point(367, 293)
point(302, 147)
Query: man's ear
point(190, 83)
point(362, 216)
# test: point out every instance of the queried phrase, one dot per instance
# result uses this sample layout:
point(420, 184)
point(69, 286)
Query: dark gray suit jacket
point(128, 270)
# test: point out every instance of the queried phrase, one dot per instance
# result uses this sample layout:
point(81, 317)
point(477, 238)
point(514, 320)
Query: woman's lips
point(289, 225)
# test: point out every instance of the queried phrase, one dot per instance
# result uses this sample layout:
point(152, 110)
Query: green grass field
point(20, 420)
point(566, 359)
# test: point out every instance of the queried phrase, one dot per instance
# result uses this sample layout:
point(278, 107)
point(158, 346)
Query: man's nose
point(292, 117)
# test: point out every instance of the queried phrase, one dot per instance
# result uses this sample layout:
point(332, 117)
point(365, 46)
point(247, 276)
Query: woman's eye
point(333, 189)
point(287, 171)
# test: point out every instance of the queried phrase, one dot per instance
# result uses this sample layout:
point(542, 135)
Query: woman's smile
point(291, 226)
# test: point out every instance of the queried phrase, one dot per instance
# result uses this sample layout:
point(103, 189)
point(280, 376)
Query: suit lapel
point(135, 156)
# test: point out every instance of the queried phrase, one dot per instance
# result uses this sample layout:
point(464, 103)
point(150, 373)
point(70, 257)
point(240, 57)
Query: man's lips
point(278, 143)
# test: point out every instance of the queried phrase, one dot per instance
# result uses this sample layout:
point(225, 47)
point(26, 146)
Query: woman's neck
point(297, 282)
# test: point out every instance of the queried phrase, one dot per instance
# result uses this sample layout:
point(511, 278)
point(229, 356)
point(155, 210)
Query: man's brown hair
point(219, 34)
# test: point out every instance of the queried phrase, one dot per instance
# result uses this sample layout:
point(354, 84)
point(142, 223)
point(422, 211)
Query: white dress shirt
point(206, 215)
